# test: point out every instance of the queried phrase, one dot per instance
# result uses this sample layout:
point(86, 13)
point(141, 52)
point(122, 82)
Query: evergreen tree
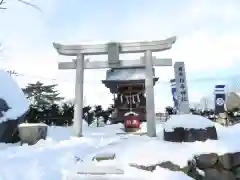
point(41, 95)
point(33, 115)
point(98, 112)
point(169, 110)
point(193, 110)
point(67, 112)
point(88, 115)
point(106, 114)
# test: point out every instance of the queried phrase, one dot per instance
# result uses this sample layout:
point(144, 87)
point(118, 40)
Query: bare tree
point(2, 2)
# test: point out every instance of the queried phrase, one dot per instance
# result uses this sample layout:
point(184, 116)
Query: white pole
point(78, 108)
point(150, 106)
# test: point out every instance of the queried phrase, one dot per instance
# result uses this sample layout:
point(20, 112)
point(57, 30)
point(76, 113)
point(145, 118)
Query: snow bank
point(31, 124)
point(187, 121)
point(62, 156)
point(14, 97)
point(135, 174)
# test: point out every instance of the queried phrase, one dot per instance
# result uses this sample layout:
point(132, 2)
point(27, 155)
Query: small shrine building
point(128, 88)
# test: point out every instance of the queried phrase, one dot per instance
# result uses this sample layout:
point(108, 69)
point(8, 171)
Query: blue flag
point(220, 98)
point(174, 93)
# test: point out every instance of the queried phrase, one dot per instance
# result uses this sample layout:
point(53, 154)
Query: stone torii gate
point(113, 50)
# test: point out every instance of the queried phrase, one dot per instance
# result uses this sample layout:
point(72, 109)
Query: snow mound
point(187, 121)
point(13, 96)
point(31, 124)
point(72, 155)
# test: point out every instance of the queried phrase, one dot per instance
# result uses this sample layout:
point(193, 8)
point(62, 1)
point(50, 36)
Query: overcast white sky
point(207, 32)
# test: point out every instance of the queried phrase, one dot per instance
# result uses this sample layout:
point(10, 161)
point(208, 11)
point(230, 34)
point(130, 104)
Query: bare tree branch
point(30, 4)
point(22, 1)
point(1, 3)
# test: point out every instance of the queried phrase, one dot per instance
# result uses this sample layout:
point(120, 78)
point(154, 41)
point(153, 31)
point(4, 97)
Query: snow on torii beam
point(100, 49)
point(113, 61)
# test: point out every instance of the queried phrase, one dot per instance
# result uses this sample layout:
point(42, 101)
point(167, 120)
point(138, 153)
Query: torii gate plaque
point(113, 50)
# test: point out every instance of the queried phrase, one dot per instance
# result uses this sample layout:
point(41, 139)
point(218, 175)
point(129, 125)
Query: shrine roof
point(126, 74)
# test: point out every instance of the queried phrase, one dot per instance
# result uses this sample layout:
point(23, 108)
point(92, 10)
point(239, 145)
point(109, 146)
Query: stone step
point(93, 169)
point(104, 177)
point(104, 156)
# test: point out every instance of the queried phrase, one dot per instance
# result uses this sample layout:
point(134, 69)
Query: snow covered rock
point(205, 161)
point(32, 133)
point(221, 167)
point(13, 108)
point(203, 167)
point(189, 128)
point(104, 156)
point(167, 165)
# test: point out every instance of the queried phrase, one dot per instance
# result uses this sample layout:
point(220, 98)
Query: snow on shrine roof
point(126, 74)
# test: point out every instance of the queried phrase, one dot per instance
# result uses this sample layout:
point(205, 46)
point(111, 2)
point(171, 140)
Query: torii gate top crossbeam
point(99, 49)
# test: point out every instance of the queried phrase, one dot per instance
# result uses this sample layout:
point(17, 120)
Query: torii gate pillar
point(78, 105)
point(113, 50)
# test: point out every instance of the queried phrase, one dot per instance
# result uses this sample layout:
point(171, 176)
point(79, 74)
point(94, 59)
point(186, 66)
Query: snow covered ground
point(61, 156)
